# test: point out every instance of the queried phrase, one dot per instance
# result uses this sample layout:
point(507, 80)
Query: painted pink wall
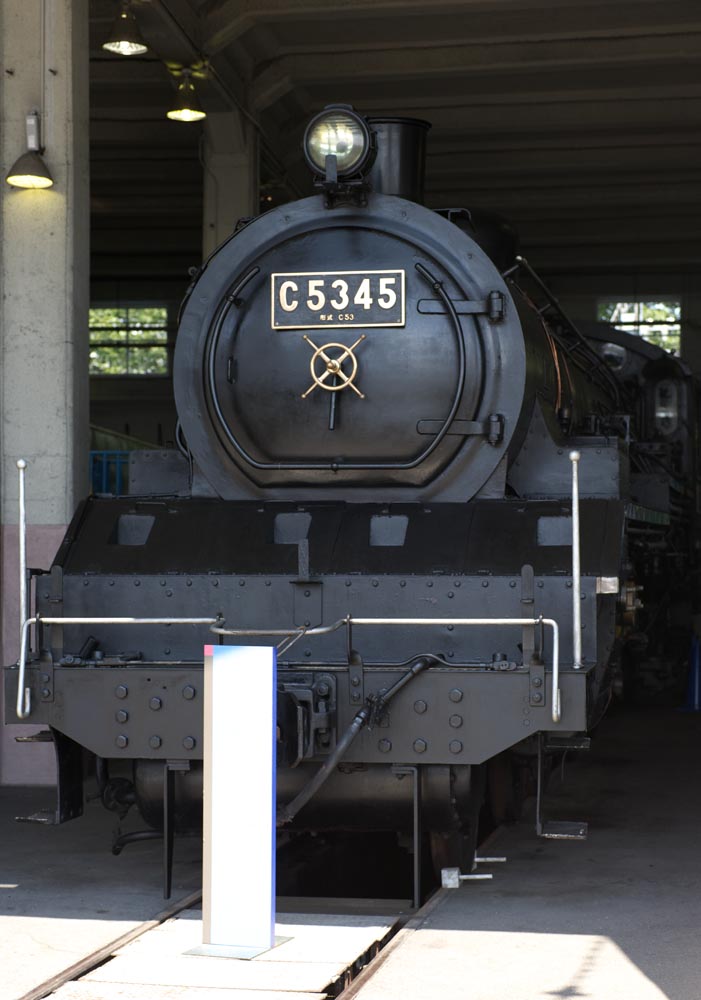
point(23, 763)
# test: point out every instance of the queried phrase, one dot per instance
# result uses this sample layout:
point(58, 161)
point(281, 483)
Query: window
point(128, 340)
point(658, 322)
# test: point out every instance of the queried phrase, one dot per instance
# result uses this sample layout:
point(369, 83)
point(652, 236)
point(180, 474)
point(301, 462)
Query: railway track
point(104, 953)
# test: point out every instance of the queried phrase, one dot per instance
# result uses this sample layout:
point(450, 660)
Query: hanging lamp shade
point(125, 38)
point(29, 170)
point(186, 106)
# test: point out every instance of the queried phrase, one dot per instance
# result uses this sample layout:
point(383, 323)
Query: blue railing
point(109, 471)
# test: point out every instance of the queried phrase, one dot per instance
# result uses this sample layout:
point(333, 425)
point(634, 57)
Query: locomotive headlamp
point(339, 132)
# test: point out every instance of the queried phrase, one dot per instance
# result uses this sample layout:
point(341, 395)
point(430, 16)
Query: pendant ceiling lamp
point(125, 38)
point(29, 170)
point(186, 106)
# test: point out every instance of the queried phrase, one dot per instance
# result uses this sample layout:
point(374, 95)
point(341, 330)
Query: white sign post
point(238, 886)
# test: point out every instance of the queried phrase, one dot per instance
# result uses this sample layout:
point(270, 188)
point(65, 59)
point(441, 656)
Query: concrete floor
point(615, 918)
point(62, 892)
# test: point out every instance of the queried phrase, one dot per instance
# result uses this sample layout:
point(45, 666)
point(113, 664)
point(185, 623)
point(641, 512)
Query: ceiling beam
point(226, 22)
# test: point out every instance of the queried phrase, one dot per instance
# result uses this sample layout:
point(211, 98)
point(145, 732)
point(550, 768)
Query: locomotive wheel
point(456, 848)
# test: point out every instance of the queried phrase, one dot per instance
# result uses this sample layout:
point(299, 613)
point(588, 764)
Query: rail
point(24, 695)
point(350, 622)
point(23, 707)
point(576, 569)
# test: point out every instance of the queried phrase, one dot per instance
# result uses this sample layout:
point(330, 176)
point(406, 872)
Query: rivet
point(111, 583)
point(155, 742)
point(420, 746)
point(121, 690)
point(384, 746)
point(86, 583)
point(307, 652)
point(455, 695)
point(537, 682)
point(420, 707)
point(188, 692)
point(215, 583)
point(122, 741)
point(458, 583)
point(451, 594)
point(537, 697)
point(455, 746)
point(162, 583)
point(242, 583)
point(355, 681)
point(429, 583)
point(485, 583)
point(512, 583)
point(122, 715)
point(267, 583)
point(166, 651)
point(348, 583)
point(45, 693)
point(137, 583)
point(45, 678)
point(189, 743)
point(375, 583)
point(355, 696)
point(155, 704)
point(450, 628)
point(188, 583)
point(402, 583)
point(455, 721)
point(169, 593)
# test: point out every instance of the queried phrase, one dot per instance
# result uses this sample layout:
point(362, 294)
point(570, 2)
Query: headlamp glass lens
point(340, 135)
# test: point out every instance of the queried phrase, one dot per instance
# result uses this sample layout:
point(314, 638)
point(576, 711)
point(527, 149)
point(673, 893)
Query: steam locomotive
point(382, 415)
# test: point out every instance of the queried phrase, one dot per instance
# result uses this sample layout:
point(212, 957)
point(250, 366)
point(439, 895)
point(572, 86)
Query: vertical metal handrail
point(576, 567)
point(23, 694)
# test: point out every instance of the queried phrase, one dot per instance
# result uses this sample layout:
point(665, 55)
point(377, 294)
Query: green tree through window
point(658, 322)
point(128, 340)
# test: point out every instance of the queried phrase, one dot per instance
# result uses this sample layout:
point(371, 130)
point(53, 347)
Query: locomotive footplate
point(446, 715)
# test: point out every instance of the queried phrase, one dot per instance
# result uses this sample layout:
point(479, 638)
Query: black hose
point(375, 705)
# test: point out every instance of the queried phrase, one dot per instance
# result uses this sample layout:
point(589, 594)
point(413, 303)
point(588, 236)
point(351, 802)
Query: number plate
point(310, 300)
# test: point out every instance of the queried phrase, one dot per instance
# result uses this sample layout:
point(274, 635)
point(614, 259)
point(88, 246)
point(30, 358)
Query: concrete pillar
point(44, 274)
point(230, 176)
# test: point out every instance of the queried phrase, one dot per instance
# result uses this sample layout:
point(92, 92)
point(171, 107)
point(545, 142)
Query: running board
point(45, 817)
point(563, 830)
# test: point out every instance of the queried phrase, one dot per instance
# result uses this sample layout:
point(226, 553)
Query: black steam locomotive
point(389, 502)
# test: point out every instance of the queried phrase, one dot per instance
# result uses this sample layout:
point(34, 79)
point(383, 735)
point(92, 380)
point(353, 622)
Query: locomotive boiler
point(377, 406)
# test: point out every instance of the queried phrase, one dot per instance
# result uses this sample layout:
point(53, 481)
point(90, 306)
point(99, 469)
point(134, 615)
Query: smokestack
point(400, 163)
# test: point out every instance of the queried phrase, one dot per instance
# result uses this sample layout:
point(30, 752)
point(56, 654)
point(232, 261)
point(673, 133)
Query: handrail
point(23, 707)
point(22, 537)
point(24, 700)
point(349, 621)
point(576, 567)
